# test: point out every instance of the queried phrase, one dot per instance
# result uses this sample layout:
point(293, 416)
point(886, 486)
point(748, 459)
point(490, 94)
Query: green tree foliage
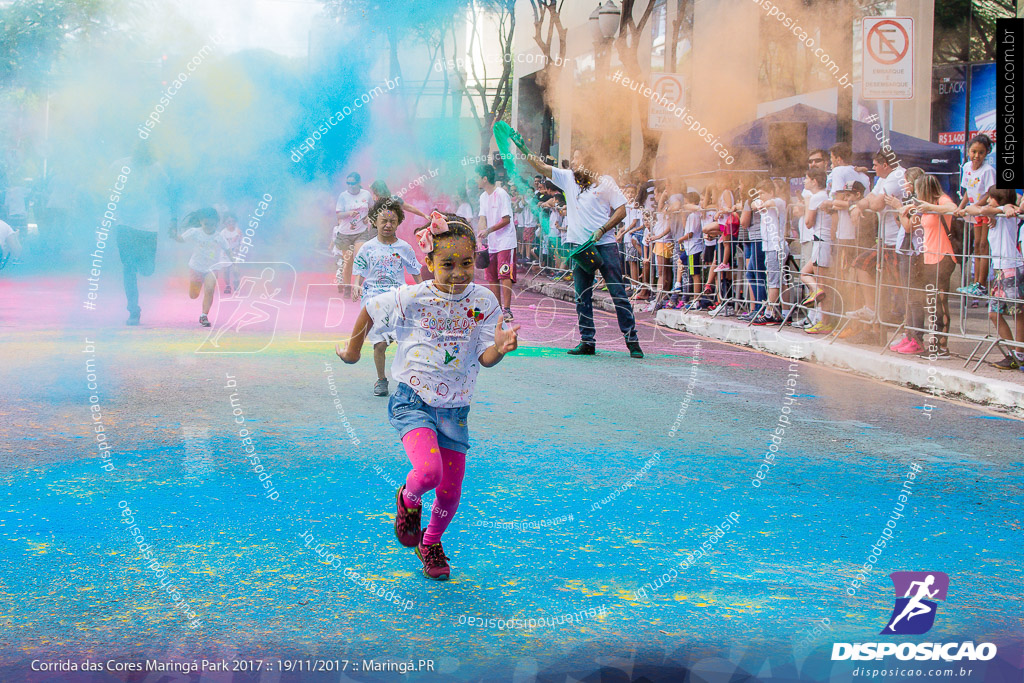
point(35, 35)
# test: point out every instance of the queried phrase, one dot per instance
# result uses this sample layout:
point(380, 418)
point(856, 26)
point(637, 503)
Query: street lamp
point(604, 21)
point(604, 25)
point(608, 19)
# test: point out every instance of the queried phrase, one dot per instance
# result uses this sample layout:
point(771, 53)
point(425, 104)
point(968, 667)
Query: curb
point(938, 380)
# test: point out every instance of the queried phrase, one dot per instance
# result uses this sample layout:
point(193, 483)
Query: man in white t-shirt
point(498, 231)
point(594, 206)
point(352, 229)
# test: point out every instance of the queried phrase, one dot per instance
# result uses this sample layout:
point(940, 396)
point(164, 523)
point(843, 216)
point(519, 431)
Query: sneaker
point(814, 297)
point(819, 328)
point(912, 347)
point(1007, 363)
point(899, 344)
point(435, 562)
point(723, 309)
point(653, 306)
point(204, 321)
point(767, 320)
point(508, 314)
point(380, 387)
point(634, 349)
point(942, 354)
point(721, 267)
point(867, 314)
point(407, 522)
point(746, 317)
point(973, 289)
point(582, 349)
point(133, 319)
point(683, 303)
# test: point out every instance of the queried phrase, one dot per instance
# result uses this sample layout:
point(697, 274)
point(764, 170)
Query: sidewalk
point(1001, 390)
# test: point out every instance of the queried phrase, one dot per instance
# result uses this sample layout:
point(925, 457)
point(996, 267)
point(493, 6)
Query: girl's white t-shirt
point(440, 338)
point(347, 203)
point(976, 183)
point(209, 251)
point(382, 265)
point(1002, 243)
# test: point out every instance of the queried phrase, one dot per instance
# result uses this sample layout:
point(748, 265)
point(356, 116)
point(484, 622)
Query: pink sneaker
point(722, 267)
point(912, 347)
point(435, 563)
point(898, 345)
point(407, 522)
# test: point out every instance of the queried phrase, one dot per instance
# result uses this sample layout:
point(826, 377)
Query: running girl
point(210, 252)
point(379, 268)
point(447, 328)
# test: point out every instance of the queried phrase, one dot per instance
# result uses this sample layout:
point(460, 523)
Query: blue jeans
point(583, 282)
point(137, 249)
point(407, 411)
point(754, 254)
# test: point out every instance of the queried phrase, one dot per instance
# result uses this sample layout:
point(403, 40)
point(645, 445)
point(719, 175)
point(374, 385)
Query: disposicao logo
point(917, 596)
point(914, 612)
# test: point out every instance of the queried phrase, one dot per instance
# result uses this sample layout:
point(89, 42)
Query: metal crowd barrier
point(892, 293)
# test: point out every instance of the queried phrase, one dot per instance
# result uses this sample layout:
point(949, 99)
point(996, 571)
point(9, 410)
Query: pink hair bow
point(438, 226)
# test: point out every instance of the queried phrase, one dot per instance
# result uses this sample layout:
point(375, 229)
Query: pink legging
point(437, 468)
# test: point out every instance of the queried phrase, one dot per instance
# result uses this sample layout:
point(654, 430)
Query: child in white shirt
point(379, 267)
point(447, 329)
point(210, 253)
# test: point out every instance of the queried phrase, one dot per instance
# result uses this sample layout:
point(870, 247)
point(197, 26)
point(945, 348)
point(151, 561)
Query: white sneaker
point(866, 314)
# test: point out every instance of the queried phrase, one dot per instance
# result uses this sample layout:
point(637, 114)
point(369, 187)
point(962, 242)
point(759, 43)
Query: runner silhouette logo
point(917, 594)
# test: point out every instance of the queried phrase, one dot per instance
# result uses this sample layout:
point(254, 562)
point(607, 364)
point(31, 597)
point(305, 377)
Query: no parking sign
point(888, 58)
point(669, 89)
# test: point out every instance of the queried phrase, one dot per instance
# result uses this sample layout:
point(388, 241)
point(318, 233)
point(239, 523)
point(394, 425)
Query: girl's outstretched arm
point(505, 340)
point(355, 342)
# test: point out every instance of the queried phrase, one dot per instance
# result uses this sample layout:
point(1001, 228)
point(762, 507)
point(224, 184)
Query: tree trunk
point(547, 131)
